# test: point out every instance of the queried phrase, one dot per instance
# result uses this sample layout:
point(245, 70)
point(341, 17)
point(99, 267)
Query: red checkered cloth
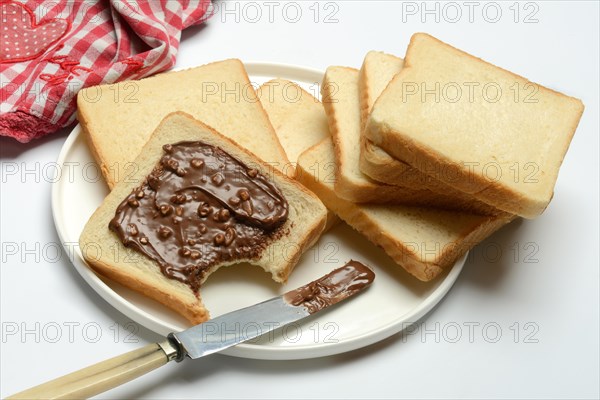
point(51, 50)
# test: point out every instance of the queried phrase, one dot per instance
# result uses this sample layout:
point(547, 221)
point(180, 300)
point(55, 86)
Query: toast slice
point(340, 96)
point(377, 71)
point(298, 119)
point(118, 119)
point(474, 126)
point(305, 222)
point(424, 241)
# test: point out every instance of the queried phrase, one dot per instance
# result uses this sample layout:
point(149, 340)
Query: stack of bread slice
point(428, 160)
point(424, 240)
point(419, 155)
point(484, 131)
point(126, 139)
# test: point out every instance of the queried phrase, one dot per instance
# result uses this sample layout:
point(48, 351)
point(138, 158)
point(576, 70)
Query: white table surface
point(544, 297)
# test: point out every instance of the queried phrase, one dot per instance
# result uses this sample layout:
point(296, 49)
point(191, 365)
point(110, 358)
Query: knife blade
point(210, 337)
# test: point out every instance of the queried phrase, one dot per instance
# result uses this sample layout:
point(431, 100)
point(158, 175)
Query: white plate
point(393, 302)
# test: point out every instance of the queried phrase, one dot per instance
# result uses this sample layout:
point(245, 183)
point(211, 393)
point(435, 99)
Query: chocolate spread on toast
point(200, 206)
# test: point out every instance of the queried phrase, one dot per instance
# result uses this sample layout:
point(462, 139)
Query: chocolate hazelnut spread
point(198, 207)
point(332, 288)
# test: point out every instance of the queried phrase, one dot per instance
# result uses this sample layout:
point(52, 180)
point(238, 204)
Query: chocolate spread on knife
point(198, 207)
point(332, 288)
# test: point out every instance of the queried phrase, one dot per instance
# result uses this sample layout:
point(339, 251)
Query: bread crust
point(363, 89)
point(89, 113)
point(367, 191)
point(96, 153)
point(387, 169)
point(193, 311)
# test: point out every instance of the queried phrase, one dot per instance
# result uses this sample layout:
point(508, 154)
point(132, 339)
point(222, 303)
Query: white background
point(552, 295)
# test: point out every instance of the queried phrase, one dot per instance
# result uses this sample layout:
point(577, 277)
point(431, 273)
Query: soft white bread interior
point(424, 241)
point(306, 221)
point(298, 118)
point(475, 126)
point(118, 119)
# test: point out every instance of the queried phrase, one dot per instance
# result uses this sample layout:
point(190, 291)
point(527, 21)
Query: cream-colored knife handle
point(103, 376)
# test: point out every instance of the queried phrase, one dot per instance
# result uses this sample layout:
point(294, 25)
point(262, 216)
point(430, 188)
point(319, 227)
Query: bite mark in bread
point(305, 223)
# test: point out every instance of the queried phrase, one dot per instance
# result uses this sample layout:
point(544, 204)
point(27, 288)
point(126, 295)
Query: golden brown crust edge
point(195, 313)
point(365, 227)
point(343, 187)
point(309, 240)
point(392, 171)
point(370, 164)
point(363, 89)
point(89, 139)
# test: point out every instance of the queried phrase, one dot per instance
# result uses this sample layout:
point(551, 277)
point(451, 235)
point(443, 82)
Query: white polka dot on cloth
point(15, 35)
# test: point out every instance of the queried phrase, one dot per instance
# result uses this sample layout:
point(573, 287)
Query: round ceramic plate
point(395, 299)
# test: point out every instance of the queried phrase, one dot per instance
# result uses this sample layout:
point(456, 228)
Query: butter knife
point(209, 337)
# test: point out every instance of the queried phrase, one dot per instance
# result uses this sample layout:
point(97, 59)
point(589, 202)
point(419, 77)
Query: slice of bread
point(104, 252)
point(424, 241)
point(118, 119)
point(377, 71)
point(298, 119)
point(476, 127)
point(340, 97)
